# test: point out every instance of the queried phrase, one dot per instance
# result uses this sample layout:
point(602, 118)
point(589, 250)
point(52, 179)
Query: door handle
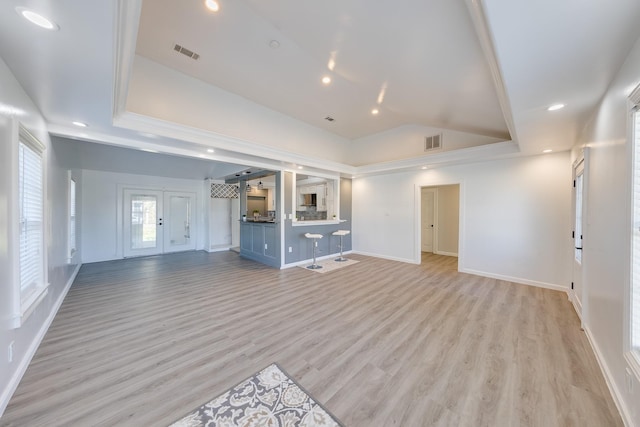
point(578, 248)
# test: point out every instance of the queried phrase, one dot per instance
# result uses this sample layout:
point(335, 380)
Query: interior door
point(577, 234)
point(142, 222)
point(428, 217)
point(178, 221)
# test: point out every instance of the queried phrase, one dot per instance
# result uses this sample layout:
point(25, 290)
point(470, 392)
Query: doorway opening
point(439, 220)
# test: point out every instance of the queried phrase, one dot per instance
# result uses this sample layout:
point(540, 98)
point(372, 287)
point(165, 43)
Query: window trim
point(24, 305)
point(631, 354)
point(72, 232)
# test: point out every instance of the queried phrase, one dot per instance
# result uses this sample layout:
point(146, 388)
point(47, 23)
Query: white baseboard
point(608, 378)
point(446, 253)
point(390, 258)
point(577, 304)
point(516, 280)
point(220, 248)
point(24, 363)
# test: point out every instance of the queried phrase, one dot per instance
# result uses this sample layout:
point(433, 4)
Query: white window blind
point(72, 217)
point(31, 259)
point(635, 280)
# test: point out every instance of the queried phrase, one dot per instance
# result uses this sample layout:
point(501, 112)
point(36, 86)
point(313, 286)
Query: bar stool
point(341, 233)
point(315, 238)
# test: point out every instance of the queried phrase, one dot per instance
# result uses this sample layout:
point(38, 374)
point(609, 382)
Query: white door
point(428, 217)
point(142, 222)
point(177, 225)
point(156, 222)
point(577, 234)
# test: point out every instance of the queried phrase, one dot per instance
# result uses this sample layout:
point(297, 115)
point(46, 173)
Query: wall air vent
point(186, 52)
point(433, 142)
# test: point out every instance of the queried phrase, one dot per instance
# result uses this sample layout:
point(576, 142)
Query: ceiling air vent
point(186, 52)
point(433, 142)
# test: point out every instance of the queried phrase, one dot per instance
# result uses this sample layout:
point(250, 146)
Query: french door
point(157, 222)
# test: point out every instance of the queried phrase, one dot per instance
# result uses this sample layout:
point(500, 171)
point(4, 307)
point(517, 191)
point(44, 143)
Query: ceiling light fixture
point(375, 111)
point(423, 168)
point(300, 167)
point(548, 150)
point(148, 150)
point(260, 185)
point(210, 150)
point(274, 44)
point(555, 107)
point(80, 124)
point(326, 80)
point(37, 19)
point(212, 5)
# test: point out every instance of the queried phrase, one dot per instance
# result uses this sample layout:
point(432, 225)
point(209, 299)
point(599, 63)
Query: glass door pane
point(144, 215)
point(142, 218)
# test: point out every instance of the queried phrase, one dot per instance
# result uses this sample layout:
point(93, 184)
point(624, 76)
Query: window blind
point(72, 217)
point(31, 258)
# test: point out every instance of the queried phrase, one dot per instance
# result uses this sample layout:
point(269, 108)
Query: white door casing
point(428, 202)
point(579, 224)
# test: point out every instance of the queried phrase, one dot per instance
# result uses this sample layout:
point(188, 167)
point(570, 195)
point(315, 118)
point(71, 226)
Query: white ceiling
point(486, 68)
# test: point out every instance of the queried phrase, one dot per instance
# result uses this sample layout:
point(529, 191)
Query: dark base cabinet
point(260, 242)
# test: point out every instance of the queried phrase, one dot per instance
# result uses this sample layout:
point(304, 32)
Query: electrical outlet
point(10, 355)
point(290, 249)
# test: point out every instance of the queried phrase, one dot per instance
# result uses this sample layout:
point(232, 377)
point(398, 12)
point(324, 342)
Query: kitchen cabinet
point(308, 189)
point(321, 198)
point(259, 241)
point(271, 200)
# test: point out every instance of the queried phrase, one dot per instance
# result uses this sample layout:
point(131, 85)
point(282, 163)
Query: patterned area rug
point(330, 265)
point(267, 399)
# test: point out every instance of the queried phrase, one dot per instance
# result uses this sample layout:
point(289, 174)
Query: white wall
point(101, 206)
point(16, 105)
point(515, 217)
point(606, 243)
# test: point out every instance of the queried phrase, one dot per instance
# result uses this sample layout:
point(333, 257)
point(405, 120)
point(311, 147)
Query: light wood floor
point(141, 342)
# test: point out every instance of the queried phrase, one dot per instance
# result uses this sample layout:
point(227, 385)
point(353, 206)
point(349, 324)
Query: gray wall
point(60, 270)
point(301, 247)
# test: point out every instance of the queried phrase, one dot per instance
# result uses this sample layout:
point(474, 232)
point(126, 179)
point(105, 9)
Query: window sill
point(29, 305)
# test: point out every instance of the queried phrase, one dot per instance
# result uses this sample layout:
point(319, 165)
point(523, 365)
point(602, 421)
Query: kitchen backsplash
point(311, 215)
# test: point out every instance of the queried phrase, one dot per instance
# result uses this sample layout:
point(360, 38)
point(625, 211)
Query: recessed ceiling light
point(148, 150)
point(375, 111)
point(212, 5)
point(202, 156)
point(247, 172)
point(210, 150)
point(555, 107)
point(300, 167)
point(548, 150)
point(326, 80)
point(353, 177)
point(80, 124)
point(423, 168)
point(37, 19)
point(274, 44)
